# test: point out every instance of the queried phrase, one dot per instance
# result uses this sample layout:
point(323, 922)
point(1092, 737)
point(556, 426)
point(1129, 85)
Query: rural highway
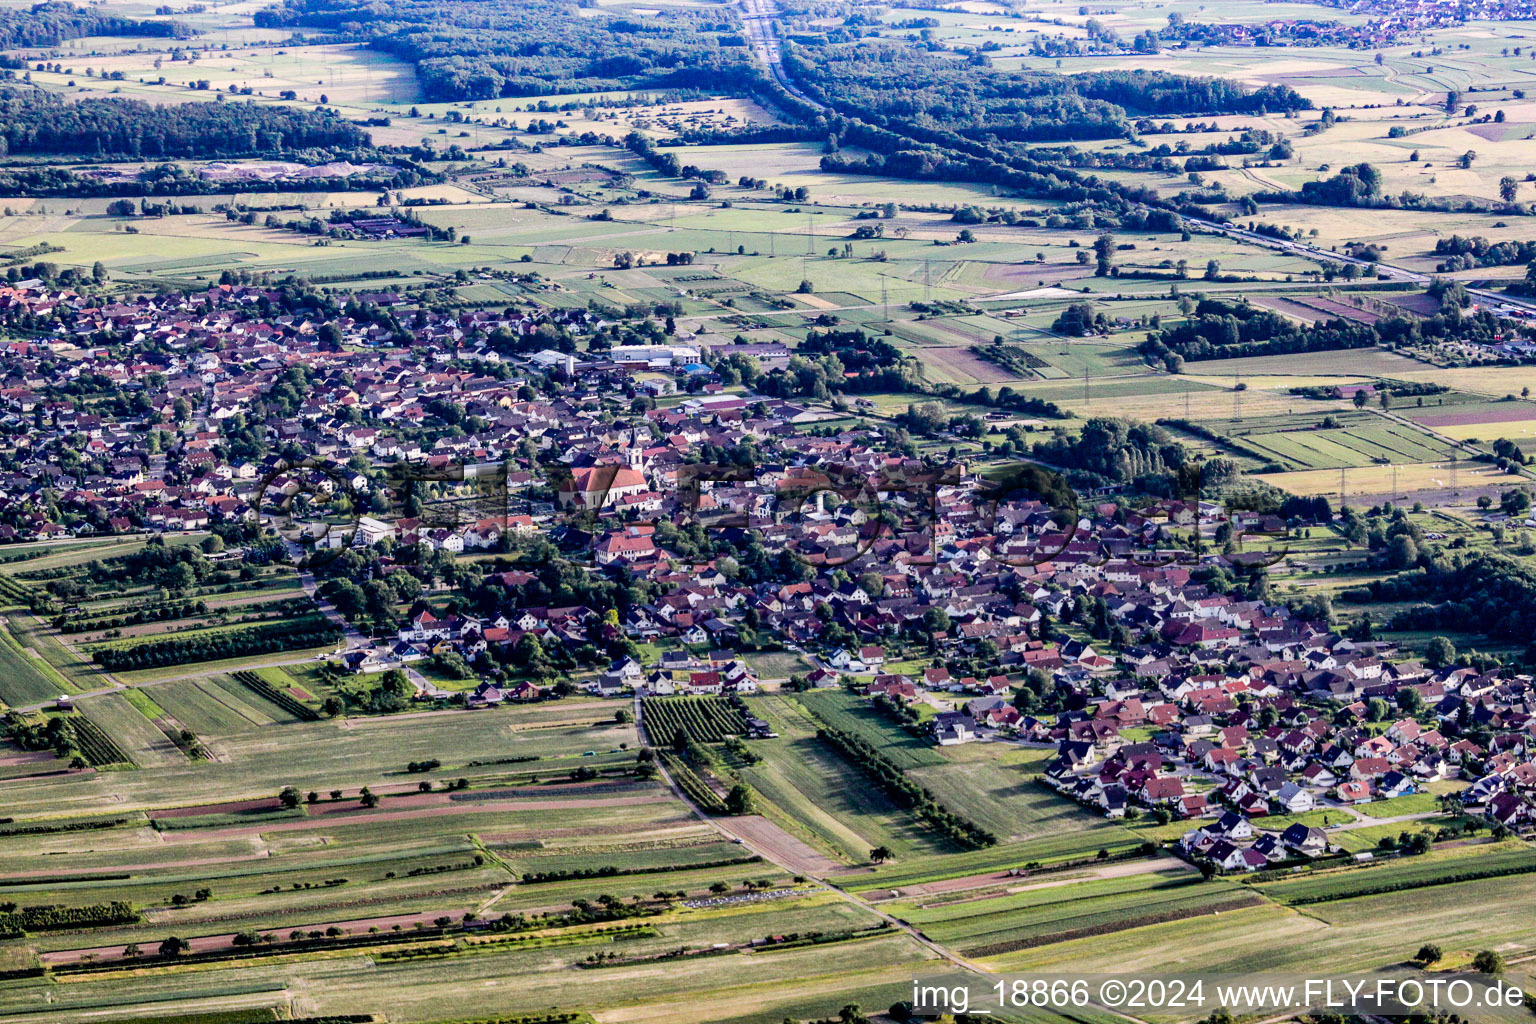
point(1497, 301)
point(758, 17)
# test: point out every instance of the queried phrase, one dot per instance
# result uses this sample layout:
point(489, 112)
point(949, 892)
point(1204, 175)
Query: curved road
point(758, 17)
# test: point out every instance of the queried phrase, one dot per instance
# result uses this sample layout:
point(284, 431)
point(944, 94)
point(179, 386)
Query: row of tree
point(905, 792)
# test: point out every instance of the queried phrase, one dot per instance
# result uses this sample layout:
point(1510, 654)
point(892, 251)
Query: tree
point(739, 800)
point(368, 798)
point(1402, 553)
point(1509, 188)
point(1439, 652)
point(289, 797)
point(1104, 251)
point(1488, 962)
point(880, 854)
point(1076, 320)
point(180, 576)
point(173, 947)
point(1428, 953)
point(1360, 399)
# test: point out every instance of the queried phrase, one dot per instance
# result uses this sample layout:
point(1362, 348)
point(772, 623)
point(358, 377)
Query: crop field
point(361, 840)
point(1461, 916)
point(24, 677)
point(1080, 846)
point(1368, 444)
point(813, 792)
point(1431, 870)
point(1471, 479)
point(848, 713)
point(1001, 794)
point(994, 927)
point(702, 719)
point(139, 738)
point(207, 708)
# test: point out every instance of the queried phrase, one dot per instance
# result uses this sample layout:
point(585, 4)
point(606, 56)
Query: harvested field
point(1291, 308)
point(779, 846)
point(232, 807)
point(962, 366)
point(1510, 412)
point(204, 943)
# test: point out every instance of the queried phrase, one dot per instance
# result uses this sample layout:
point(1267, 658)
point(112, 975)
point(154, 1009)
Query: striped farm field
point(848, 713)
point(1377, 480)
point(1458, 866)
point(992, 927)
point(1381, 442)
point(24, 677)
point(703, 719)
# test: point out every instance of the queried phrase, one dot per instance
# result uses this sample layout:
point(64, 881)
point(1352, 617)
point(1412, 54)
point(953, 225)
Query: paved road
point(768, 855)
point(758, 17)
point(1498, 301)
point(356, 641)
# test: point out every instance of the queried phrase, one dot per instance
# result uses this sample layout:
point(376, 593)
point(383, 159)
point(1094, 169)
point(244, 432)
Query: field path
point(771, 852)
